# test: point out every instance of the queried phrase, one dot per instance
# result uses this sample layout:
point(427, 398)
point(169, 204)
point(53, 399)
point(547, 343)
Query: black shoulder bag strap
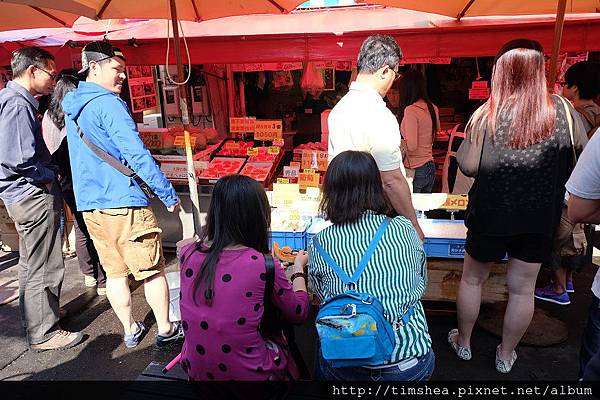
point(272, 322)
point(116, 164)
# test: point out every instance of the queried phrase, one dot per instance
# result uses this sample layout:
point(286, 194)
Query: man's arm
point(20, 157)
point(397, 190)
point(123, 132)
point(584, 210)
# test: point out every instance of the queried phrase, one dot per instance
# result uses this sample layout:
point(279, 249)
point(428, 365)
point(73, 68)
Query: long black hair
point(66, 82)
point(412, 89)
point(353, 185)
point(239, 214)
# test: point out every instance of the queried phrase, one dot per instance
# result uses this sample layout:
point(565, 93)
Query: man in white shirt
point(584, 206)
point(361, 121)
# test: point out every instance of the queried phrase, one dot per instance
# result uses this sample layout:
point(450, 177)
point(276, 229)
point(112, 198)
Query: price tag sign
point(295, 164)
point(283, 180)
point(180, 141)
point(232, 145)
point(306, 180)
point(268, 129)
point(291, 172)
point(322, 160)
point(309, 159)
point(278, 142)
point(152, 140)
point(285, 194)
point(241, 124)
point(456, 202)
point(294, 215)
point(309, 171)
point(273, 150)
point(313, 193)
point(252, 151)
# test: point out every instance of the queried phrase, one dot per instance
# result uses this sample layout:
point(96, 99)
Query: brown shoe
point(62, 340)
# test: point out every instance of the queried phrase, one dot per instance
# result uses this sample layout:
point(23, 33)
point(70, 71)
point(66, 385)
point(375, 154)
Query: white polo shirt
point(361, 121)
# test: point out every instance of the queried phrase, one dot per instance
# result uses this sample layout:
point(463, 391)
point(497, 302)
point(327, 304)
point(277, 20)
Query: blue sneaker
point(570, 288)
point(133, 339)
point(176, 336)
point(548, 294)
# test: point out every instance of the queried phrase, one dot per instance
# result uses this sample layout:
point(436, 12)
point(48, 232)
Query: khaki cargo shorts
point(127, 240)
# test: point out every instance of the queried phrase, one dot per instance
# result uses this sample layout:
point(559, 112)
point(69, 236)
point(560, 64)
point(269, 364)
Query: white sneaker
point(89, 281)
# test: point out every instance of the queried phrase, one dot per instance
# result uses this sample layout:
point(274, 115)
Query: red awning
point(325, 35)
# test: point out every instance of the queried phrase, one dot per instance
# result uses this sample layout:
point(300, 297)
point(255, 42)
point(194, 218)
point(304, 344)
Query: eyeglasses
point(52, 75)
point(397, 75)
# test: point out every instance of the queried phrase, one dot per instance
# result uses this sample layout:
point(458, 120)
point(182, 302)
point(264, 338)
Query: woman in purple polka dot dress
point(222, 291)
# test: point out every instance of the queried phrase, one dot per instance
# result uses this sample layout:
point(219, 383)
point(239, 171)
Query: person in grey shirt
point(32, 198)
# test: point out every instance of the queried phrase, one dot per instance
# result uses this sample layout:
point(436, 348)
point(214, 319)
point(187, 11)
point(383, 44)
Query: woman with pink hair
point(519, 148)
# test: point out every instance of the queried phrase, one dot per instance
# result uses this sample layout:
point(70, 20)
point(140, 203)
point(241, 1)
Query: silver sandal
point(464, 353)
point(504, 366)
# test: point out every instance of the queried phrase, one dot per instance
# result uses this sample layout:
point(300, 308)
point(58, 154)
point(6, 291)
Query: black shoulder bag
point(272, 324)
point(116, 164)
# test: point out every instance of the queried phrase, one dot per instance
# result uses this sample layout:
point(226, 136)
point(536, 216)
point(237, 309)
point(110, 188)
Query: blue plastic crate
point(295, 240)
point(445, 248)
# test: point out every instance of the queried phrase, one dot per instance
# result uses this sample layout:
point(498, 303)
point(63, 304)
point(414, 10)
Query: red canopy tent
point(323, 35)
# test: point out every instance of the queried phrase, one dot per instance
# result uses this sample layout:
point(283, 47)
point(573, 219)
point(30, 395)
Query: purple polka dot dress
point(222, 341)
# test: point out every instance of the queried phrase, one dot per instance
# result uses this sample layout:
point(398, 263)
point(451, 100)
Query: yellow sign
point(285, 194)
point(274, 150)
point(294, 215)
point(309, 171)
point(295, 164)
point(279, 142)
point(283, 180)
point(241, 124)
point(308, 180)
point(252, 151)
point(180, 141)
point(268, 129)
point(456, 202)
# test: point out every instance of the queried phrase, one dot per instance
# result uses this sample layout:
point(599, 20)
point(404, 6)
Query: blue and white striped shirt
point(396, 274)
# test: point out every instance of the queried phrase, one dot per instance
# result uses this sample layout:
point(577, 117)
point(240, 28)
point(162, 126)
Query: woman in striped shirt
point(354, 201)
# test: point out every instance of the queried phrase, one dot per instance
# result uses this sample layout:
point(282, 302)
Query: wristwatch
point(298, 275)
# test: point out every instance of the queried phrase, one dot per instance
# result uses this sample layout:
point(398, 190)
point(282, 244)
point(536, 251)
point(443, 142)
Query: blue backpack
point(352, 327)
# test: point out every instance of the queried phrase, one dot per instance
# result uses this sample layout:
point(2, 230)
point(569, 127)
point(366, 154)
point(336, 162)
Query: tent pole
point(185, 119)
point(558, 31)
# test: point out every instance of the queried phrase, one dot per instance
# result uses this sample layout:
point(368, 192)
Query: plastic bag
point(312, 81)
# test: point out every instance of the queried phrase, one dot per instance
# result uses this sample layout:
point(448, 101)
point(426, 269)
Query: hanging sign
point(142, 88)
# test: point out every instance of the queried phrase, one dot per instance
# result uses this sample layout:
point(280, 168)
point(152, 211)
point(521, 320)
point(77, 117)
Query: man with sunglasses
point(32, 198)
point(361, 121)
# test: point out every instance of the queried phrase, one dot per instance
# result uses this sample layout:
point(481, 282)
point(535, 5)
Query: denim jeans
point(424, 178)
point(420, 372)
point(590, 342)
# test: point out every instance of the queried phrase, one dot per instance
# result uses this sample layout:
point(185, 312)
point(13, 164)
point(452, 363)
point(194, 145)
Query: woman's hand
point(301, 260)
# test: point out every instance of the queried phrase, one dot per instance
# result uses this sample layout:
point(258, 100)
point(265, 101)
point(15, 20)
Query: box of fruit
point(220, 167)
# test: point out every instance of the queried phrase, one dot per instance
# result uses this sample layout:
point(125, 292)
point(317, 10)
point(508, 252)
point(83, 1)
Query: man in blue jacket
point(31, 194)
point(115, 208)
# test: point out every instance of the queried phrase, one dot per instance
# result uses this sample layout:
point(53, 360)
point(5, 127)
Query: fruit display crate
point(296, 240)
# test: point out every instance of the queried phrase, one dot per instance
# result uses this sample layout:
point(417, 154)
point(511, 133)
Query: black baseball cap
point(98, 51)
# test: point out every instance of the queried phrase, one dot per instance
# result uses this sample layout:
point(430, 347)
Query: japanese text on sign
point(285, 195)
point(314, 159)
point(268, 129)
point(308, 180)
point(252, 152)
point(291, 172)
point(180, 141)
point(273, 150)
point(241, 124)
point(152, 140)
point(456, 202)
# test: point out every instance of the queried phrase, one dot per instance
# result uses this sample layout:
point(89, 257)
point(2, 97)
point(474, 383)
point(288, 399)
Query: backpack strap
point(363, 261)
